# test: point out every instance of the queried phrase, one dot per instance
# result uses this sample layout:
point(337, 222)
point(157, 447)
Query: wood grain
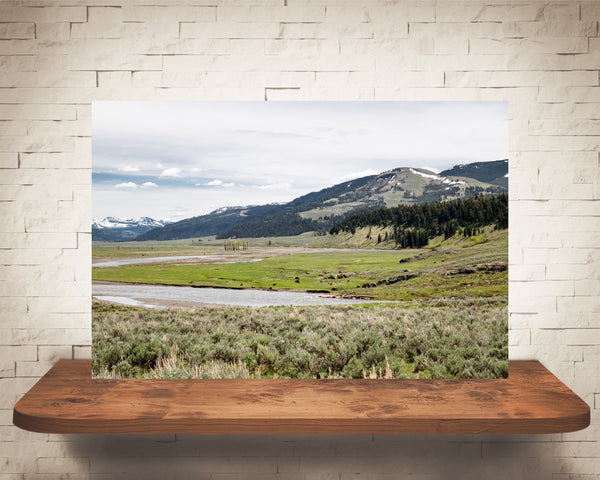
point(531, 400)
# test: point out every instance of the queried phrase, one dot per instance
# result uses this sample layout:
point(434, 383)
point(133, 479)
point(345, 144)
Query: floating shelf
point(531, 400)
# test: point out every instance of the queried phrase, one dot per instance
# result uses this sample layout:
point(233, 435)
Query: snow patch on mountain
point(445, 180)
point(117, 222)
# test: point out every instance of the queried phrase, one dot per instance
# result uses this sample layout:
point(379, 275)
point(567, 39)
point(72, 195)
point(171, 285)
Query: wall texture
point(58, 56)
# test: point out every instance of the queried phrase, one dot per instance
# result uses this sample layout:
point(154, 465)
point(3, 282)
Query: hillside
point(495, 173)
point(413, 225)
point(321, 210)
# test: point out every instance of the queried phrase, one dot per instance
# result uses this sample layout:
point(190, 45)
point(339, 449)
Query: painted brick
point(53, 31)
point(81, 352)
point(17, 31)
point(447, 12)
point(230, 30)
point(546, 29)
point(37, 112)
point(9, 160)
point(48, 14)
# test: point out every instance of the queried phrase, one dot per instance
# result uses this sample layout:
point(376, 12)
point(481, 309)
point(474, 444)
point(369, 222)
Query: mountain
point(210, 224)
point(495, 173)
point(319, 211)
point(114, 229)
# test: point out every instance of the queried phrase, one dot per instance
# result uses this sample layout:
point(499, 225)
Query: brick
point(566, 305)
point(328, 30)
point(157, 14)
point(447, 12)
point(53, 336)
point(17, 30)
point(523, 78)
point(57, 32)
point(114, 79)
point(81, 352)
point(37, 112)
point(9, 160)
point(48, 14)
point(519, 337)
point(230, 30)
point(570, 28)
point(448, 31)
point(63, 465)
point(528, 305)
point(583, 336)
point(570, 353)
point(54, 353)
point(450, 46)
point(286, 14)
point(521, 273)
point(306, 46)
point(33, 369)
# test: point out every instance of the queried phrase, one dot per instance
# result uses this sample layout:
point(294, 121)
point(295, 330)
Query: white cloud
point(149, 185)
point(126, 185)
point(171, 172)
point(363, 173)
point(275, 186)
point(128, 168)
point(216, 183)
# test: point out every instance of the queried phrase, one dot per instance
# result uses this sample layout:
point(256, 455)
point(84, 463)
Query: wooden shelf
point(531, 400)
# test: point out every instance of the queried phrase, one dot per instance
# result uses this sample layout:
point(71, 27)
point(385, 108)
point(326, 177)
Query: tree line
point(278, 225)
point(414, 225)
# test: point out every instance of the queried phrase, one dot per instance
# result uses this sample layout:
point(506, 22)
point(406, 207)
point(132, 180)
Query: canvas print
point(323, 240)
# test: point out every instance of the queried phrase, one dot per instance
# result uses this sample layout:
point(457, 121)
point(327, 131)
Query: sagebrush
point(441, 338)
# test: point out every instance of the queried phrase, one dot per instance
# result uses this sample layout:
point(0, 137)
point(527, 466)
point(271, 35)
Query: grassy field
point(341, 272)
point(442, 338)
point(450, 321)
point(364, 238)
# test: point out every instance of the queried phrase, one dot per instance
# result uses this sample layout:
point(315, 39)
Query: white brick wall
point(58, 56)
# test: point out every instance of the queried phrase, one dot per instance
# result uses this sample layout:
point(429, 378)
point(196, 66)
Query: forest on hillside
point(414, 225)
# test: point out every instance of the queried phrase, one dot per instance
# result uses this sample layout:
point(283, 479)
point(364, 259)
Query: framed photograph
point(295, 240)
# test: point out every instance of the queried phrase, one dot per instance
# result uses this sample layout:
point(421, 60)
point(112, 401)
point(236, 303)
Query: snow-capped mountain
point(116, 222)
point(321, 210)
point(115, 229)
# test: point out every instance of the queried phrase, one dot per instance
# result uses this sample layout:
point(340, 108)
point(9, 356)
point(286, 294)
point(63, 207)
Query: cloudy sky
point(174, 160)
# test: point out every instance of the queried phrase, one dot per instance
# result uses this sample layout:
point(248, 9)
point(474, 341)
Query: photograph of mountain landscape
point(300, 240)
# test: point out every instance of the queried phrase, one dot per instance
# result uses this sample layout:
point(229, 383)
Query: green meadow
point(449, 317)
point(340, 271)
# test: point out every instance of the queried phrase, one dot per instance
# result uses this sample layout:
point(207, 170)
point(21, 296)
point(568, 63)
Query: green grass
point(309, 271)
point(446, 324)
point(103, 250)
point(441, 338)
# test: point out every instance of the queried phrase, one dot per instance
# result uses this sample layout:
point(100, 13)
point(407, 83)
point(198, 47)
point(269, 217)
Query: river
point(150, 296)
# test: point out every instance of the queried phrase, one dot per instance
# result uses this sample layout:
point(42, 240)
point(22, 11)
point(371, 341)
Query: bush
point(461, 338)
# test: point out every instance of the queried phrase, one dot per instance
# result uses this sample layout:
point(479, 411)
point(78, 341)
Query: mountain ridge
point(320, 210)
point(112, 229)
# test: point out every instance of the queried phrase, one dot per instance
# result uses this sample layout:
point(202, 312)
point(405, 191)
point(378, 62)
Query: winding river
point(150, 296)
point(159, 296)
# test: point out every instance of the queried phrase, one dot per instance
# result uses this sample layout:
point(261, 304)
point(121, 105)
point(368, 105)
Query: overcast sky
point(174, 160)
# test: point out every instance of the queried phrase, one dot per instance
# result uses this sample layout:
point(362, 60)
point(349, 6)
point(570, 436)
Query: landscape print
point(325, 240)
